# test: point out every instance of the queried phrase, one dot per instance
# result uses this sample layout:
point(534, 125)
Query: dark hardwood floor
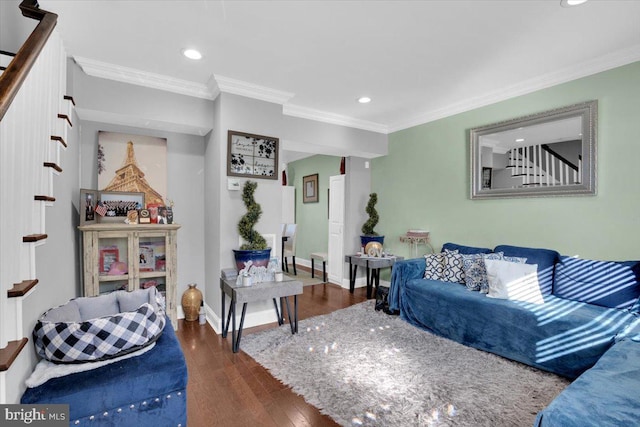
point(227, 389)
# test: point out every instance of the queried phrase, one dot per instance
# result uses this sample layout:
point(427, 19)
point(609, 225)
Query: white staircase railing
point(32, 137)
point(537, 166)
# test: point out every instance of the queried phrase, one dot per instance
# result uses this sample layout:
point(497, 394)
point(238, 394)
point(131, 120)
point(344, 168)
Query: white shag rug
point(365, 368)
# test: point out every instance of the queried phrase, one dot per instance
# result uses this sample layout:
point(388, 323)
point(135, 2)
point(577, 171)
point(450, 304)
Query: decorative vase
point(191, 300)
point(364, 239)
point(259, 258)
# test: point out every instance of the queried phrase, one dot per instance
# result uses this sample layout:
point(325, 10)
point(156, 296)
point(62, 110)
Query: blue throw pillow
point(604, 283)
point(546, 260)
point(465, 250)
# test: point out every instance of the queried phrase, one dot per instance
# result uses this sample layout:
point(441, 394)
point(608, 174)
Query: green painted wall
point(312, 233)
point(424, 181)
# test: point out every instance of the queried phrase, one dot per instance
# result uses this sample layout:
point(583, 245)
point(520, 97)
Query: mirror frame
point(589, 113)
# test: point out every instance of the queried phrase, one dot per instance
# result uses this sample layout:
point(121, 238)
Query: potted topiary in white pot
point(255, 247)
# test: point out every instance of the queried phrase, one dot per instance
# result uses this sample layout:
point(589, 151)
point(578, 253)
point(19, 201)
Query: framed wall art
point(117, 204)
point(87, 206)
point(128, 162)
point(252, 156)
point(310, 189)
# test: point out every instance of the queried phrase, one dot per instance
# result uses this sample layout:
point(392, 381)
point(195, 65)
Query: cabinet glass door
point(113, 264)
point(152, 259)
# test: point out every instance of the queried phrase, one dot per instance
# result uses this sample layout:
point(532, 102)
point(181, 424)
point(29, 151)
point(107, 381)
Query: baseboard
point(251, 319)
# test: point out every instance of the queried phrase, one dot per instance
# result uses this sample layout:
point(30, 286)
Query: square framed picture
point(252, 156)
point(310, 189)
point(87, 206)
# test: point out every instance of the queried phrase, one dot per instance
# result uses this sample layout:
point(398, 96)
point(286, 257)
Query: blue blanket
point(605, 395)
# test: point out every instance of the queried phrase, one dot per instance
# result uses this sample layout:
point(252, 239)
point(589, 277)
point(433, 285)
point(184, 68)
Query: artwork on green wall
point(310, 189)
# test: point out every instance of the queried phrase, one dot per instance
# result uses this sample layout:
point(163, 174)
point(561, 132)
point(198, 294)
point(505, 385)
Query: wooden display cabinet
point(130, 257)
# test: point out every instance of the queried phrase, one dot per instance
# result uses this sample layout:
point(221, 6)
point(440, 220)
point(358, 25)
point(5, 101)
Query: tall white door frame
point(335, 262)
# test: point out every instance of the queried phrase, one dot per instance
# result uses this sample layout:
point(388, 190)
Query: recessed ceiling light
point(192, 54)
point(364, 100)
point(570, 3)
point(520, 140)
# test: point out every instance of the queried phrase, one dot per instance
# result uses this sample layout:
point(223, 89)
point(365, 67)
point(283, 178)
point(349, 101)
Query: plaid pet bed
point(101, 338)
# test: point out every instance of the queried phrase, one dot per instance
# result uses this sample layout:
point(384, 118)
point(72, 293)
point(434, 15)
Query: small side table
point(414, 241)
point(258, 292)
point(373, 266)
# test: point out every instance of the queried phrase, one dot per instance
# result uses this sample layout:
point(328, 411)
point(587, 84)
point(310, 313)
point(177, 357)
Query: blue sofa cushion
point(606, 283)
point(544, 258)
point(561, 336)
point(605, 395)
point(466, 250)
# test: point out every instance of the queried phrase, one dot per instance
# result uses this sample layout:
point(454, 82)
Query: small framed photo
point(310, 189)
point(486, 178)
point(116, 205)
point(144, 216)
point(108, 255)
point(87, 206)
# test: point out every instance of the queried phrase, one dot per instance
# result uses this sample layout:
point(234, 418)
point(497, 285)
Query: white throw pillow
point(513, 281)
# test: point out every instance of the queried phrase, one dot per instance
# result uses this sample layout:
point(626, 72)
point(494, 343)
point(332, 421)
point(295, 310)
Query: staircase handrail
point(550, 150)
point(12, 78)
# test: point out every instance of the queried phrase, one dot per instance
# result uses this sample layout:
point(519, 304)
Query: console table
point(373, 266)
point(258, 292)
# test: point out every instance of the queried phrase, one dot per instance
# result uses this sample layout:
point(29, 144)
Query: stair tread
point(30, 238)
point(9, 354)
point(53, 166)
point(21, 289)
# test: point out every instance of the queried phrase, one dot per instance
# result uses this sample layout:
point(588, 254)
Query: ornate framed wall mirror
point(552, 153)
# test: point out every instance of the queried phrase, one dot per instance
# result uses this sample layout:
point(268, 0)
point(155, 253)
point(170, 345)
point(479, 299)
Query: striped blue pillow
point(604, 283)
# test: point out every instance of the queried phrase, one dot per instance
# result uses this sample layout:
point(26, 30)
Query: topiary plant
point(253, 239)
point(368, 227)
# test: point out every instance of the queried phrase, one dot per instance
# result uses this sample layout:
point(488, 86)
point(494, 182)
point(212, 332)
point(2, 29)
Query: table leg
point(369, 279)
point(353, 270)
point(278, 314)
point(286, 300)
point(232, 313)
point(226, 328)
point(377, 282)
point(295, 311)
point(236, 346)
point(224, 331)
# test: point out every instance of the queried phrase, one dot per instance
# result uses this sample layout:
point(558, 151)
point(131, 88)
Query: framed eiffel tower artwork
point(253, 156)
point(133, 164)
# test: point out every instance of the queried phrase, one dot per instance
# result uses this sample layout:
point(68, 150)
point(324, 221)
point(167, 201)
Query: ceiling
point(417, 60)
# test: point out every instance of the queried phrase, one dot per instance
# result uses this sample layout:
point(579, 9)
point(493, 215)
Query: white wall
point(242, 114)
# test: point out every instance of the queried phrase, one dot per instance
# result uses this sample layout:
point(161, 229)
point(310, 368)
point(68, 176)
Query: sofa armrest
point(403, 271)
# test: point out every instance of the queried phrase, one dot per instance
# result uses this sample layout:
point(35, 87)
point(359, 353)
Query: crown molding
point(584, 69)
point(332, 118)
point(140, 122)
point(143, 78)
point(250, 90)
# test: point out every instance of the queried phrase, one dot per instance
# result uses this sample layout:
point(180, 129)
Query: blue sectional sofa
point(588, 311)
